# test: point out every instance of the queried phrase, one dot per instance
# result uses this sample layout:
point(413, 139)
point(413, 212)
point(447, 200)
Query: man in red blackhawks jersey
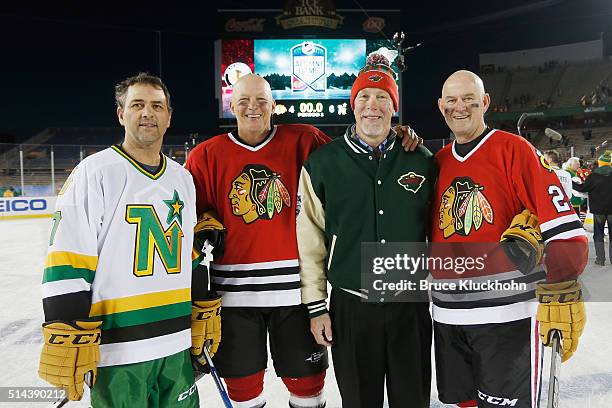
point(249, 177)
point(488, 344)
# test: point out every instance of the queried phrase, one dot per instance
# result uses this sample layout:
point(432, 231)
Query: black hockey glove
point(522, 241)
point(210, 229)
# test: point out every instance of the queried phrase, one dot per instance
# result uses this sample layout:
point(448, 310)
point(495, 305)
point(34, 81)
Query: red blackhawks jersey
point(253, 189)
point(477, 197)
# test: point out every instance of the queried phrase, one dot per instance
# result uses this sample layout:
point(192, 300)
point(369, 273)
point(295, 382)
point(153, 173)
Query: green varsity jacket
point(346, 197)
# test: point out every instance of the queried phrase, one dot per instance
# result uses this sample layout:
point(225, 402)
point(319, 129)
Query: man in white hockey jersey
point(117, 282)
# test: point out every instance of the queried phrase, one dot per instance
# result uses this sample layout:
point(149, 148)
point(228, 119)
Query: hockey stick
point(205, 359)
point(519, 123)
point(60, 402)
point(553, 134)
point(603, 144)
point(555, 371)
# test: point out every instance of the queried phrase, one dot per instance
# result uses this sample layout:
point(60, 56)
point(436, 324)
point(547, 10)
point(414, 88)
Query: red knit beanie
point(377, 73)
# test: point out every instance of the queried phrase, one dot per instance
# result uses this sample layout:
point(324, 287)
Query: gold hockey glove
point(206, 325)
point(561, 308)
point(70, 353)
point(522, 241)
point(209, 228)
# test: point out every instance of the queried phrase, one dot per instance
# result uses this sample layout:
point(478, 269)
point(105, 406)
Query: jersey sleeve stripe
point(563, 231)
point(67, 307)
point(545, 226)
point(579, 232)
point(139, 302)
point(145, 316)
point(58, 258)
point(63, 287)
point(60, 273)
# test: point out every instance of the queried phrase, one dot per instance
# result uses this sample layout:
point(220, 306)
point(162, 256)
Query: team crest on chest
point(411, 181)
point(152, 238)
point(258, 193)
point(463, 208)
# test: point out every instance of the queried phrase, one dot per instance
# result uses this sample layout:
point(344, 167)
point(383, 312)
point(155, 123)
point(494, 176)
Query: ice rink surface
point(586, 379)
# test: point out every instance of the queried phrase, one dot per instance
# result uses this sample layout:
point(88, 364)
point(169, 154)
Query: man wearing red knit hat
point(376, 74)
point(364, 187)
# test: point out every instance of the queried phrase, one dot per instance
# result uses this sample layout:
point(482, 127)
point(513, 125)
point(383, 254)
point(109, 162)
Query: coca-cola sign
point(252, 24)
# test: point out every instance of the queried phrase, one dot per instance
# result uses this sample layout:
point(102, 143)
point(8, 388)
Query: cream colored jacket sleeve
point(311, 242)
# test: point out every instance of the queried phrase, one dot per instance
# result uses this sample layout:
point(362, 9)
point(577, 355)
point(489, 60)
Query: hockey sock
point(306, 392)
point(246, 392)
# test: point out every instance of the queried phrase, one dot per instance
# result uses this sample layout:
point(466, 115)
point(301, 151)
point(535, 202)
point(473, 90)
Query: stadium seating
point(557, 85)
point(581, 80)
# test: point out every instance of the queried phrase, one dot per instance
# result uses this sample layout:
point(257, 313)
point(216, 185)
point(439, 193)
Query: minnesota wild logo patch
point(411, 181)
point(463, 208)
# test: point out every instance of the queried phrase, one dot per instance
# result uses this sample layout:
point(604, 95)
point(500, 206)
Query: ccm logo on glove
point(77, 339)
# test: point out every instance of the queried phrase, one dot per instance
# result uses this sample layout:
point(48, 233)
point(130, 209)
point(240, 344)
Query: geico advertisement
point(26, 207)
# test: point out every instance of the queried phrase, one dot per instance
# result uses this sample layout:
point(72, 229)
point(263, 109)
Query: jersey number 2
point(558, 198)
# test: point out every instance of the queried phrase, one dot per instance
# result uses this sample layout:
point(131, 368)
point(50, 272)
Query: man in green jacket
point(363, 187)
point(599, 186)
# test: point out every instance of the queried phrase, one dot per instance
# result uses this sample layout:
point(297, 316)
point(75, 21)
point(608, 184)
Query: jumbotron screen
point(310, 79)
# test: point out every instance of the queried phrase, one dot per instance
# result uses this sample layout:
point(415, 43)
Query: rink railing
point(39, 170)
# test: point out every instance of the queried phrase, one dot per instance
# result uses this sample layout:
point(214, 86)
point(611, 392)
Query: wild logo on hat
point(377, 73)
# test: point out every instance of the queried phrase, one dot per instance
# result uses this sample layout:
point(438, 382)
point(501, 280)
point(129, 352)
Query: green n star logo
point(151, 237)
point(175, 209)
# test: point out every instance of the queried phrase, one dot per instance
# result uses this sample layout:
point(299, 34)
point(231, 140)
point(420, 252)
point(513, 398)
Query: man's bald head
point(462, 77)
point(463, 104)
point(250, 82)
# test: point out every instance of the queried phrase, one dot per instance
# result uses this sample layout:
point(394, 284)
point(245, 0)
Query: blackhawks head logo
point(463, 207)
point(257, 193)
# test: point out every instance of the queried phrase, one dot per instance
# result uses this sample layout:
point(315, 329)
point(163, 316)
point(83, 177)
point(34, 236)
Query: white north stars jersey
point(123, 237)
